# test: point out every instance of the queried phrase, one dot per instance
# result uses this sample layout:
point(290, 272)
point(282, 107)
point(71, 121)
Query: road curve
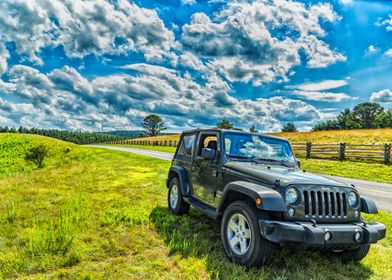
point(381, 193)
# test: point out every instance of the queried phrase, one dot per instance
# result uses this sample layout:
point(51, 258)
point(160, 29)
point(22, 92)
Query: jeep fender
point(271, 200)
point(368, 206)
point(182, 175)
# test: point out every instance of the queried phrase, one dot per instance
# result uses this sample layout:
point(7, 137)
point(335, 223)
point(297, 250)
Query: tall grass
point(11, 211)
point(55, 235)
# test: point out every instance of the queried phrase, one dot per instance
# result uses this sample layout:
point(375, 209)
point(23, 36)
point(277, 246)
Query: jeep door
point(185, 152)
point(205, 171)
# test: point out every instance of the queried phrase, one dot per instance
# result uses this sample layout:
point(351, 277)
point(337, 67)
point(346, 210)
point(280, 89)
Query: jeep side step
point(201, 206)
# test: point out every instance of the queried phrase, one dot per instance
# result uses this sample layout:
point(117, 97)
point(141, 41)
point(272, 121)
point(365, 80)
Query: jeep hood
point(286, 176)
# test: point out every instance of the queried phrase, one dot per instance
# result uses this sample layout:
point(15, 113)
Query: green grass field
point(100, 214)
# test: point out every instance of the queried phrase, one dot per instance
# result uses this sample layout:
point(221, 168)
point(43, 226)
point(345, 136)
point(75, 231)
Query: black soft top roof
point(214, 129)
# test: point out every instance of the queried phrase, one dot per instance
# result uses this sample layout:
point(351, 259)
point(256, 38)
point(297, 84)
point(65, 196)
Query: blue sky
point(104, 65)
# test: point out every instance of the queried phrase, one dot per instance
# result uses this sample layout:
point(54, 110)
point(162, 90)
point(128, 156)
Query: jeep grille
point(325, 204)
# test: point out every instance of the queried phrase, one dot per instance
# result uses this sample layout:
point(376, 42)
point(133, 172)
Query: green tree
point(289, 127)
point(153, 125)
point(384, 119)
point(367, 113)
point(364, 115)
point(346, 120)
point(37, 155)
point(253, 129)
point(225, 124)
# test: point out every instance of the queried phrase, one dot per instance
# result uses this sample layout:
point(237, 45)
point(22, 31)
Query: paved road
point(381, 193)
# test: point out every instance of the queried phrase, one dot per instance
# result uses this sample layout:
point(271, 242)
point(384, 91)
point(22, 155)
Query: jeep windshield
point(258, 148)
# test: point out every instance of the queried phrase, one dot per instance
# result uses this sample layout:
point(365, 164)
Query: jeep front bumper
point(310, 234)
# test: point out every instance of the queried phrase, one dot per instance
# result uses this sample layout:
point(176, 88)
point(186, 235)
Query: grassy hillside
point(100, 214)
point(358, 136)
point(13, 148)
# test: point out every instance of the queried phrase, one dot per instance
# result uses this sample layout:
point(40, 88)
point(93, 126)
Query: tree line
point(69, 136)
point(365, 115)
point(226, 124)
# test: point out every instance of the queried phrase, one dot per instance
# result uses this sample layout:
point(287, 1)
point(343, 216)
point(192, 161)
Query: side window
point(227, 145)
point(207, 141)
point(181, 150)
point(186, 147)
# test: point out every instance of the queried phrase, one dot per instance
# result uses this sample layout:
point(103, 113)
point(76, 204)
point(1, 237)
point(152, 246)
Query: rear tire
point(354, 255)
point(175, 200)
point(240, 225)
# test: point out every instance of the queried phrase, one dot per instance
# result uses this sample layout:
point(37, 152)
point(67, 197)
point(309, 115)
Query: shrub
point(37, 155)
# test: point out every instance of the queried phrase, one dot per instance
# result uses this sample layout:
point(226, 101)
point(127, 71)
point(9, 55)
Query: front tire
point(175, 200)
point(354, 255)
point(241, 237)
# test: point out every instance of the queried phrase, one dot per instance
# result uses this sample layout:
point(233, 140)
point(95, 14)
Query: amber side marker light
point(258, 200)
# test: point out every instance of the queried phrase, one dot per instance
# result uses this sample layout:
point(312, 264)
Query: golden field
point(357, 136)
point(172, 137)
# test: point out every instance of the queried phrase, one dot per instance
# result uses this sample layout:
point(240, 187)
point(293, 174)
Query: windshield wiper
point(275, 161)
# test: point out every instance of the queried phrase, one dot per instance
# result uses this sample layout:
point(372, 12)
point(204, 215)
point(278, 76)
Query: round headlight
point(352, 199)
point(291, 195)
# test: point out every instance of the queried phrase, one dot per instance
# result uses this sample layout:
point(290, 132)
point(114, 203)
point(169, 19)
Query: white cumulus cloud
point(62, 98)
point(322, 96)
point(388, 53)
point(382, 96)
point(241, 44)
point(82, 28)
point(319, 86)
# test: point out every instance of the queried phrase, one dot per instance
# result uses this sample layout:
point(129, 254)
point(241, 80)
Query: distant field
point(101, 214)
point(173, 137)
point(360, 136)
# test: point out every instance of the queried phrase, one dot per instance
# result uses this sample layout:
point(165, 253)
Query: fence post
point(308, 149)
point(387, 153)
point(342, 151)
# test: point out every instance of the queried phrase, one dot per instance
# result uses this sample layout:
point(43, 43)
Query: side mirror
point(298, 163)
point(207, 153)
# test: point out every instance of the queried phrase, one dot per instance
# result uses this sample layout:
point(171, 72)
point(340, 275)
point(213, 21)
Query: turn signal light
point(258, 200)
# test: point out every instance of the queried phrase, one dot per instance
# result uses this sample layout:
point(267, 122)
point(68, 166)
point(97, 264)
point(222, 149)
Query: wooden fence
point(341, 151)
point(344, 151)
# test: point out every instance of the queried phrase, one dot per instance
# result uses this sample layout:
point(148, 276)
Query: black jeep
point(253, 184)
